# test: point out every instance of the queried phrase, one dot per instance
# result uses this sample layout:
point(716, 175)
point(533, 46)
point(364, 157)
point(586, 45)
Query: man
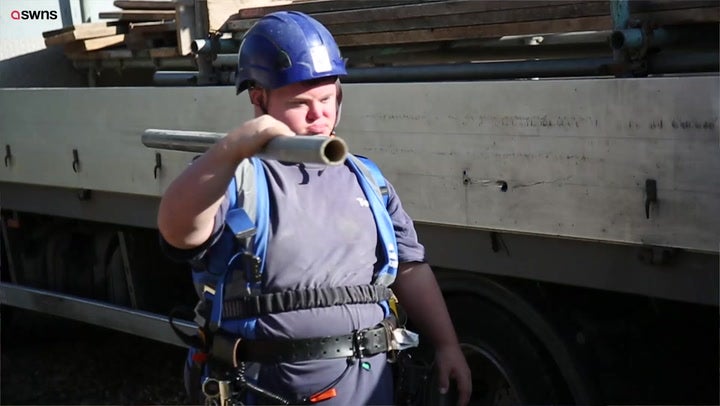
point(321, 233)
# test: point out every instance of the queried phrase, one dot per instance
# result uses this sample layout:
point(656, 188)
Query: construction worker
point(322, 233)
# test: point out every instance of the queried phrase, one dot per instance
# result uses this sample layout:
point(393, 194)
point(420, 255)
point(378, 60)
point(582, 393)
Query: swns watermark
point(34, 15)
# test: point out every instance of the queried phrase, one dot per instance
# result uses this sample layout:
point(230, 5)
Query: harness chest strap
point(289, 300)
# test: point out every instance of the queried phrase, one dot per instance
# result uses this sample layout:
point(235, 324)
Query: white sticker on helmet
point(321, 59)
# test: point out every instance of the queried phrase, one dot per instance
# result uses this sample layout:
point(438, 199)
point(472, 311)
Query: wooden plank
point(533, 11)
point(145, 4)
point(219, 11)
point(81, 33)
point(328, 6)
point(79, 27)
point(185, 21)
point(602, 22)
point(139, 15)
point(392, 14)
point(94, 44)
point(447, 8)
point(478, 31)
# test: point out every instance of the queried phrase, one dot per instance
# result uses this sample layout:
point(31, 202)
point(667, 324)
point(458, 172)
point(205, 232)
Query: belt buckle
point(358, 336)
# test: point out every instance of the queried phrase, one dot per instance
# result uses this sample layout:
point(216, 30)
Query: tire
point(509, 366)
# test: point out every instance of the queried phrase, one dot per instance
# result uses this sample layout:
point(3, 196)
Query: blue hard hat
point(286, 47)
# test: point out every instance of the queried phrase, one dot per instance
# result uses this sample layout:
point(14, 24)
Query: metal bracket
point(650, 195)
point(158, 164)
point(8, 155)
point(76, 161)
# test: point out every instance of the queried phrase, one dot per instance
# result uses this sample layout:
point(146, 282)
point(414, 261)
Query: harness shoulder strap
point(368, 166)
point(243, 239)
point(375, 188)
point(242, 201)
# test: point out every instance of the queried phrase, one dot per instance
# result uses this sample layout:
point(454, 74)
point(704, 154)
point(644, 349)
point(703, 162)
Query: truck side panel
point(563, 158)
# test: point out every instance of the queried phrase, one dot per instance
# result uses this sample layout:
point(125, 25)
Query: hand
point(450, 363)
point(248, 139)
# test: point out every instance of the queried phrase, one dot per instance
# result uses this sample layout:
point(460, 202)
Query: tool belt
point(358, 344)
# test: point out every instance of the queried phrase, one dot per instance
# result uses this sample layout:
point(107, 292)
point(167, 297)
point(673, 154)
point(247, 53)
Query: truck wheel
point(509, 366)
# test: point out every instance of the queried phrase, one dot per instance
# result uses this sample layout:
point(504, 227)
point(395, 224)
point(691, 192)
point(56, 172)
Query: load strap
point(358, 344)
point(253, 306)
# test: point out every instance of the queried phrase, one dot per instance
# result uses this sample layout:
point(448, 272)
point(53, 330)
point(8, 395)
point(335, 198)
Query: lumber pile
point(141, 28)
point(368, 31)
point(395, 22)
point(371, 22)
point(147, 28)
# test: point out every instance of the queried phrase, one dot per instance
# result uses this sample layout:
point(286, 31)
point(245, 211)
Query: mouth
point(316, 130)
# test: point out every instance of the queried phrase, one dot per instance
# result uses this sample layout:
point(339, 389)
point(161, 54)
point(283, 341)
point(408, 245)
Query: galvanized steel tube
point(667, 63)
point(299, 149)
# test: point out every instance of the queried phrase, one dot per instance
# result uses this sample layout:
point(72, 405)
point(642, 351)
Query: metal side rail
point(145, 324)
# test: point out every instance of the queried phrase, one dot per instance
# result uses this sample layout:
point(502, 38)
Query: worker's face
point(307, 108)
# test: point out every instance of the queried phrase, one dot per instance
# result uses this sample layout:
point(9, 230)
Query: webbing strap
point(377, 175)
point(253, 306)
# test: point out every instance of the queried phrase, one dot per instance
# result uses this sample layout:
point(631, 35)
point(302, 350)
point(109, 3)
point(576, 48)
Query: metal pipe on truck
point(671, 63)
point(667, 63)
point(298, 149)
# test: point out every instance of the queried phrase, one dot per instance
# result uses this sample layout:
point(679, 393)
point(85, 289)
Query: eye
point(296, 104)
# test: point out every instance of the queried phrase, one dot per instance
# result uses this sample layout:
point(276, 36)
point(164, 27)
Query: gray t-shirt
point(323, 234)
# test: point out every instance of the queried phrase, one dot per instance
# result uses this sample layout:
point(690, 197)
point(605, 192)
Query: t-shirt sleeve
point(196, 255)
point(409, 248)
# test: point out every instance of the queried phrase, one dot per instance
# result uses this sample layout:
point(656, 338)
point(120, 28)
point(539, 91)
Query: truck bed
point(568, 158)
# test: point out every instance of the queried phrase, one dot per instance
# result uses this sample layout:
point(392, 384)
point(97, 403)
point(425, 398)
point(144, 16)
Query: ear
point(257, 96)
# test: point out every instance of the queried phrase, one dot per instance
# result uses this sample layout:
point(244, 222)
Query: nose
point(315, 111)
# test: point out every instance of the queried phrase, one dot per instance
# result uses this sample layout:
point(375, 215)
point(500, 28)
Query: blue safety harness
point(229, 282)
point(235, 262)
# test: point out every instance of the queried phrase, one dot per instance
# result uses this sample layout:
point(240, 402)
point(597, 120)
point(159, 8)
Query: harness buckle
point(252, 264)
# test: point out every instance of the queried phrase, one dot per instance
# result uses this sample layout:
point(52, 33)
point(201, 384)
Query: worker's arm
point(188, 206)
point(420, 296)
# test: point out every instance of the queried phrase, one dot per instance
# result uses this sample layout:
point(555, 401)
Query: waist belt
point(285, 301)
point(359, 344)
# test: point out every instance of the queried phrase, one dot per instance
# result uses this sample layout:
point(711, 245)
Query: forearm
point(420, 296)
point(188, 206)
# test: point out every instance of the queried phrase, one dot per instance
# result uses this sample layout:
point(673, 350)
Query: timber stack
point(172, 33)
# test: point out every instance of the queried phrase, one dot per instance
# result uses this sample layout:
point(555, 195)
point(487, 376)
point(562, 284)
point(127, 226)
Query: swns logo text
point(34, 15)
